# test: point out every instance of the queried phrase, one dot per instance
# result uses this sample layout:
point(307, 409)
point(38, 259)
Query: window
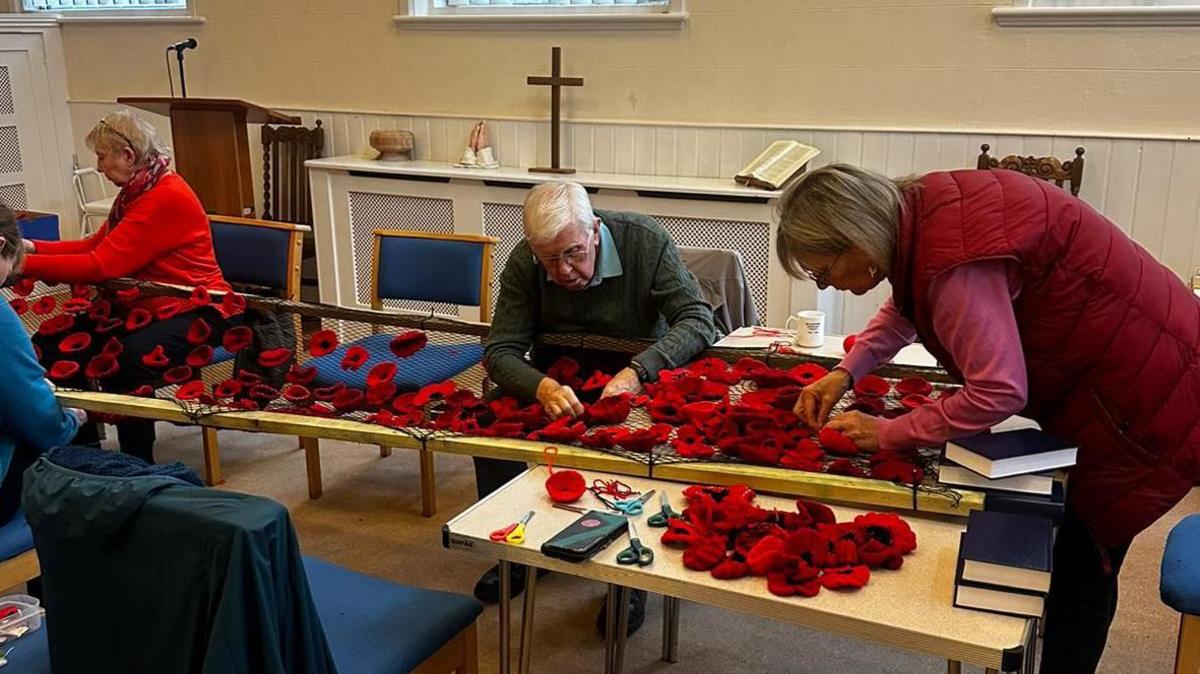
point(542, 13)
point(1067, 13)
point(103, 5)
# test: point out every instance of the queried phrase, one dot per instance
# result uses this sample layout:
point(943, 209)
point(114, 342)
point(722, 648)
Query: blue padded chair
point(406, 265)
point(1180, 589)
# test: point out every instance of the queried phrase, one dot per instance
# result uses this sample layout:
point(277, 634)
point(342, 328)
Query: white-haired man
point(592, 272)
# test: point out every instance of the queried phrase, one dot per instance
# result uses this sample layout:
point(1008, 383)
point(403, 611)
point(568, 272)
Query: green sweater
point(654, 297)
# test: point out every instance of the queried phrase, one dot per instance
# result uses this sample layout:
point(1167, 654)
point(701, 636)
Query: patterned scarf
point(142, 181)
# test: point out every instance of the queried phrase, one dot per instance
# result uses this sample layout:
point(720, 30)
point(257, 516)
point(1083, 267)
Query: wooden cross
point(556, 81)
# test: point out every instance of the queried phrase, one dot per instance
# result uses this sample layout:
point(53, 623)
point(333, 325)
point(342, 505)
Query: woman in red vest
point(1040, 306)
point(156, 231)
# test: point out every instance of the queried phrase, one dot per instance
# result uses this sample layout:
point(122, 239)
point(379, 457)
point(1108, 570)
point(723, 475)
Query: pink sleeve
point(973, 318)
point(887, 333)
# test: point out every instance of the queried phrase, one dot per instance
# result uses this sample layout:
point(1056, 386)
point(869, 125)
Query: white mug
point(810, 331)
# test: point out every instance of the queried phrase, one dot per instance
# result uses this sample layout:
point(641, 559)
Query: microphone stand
point(182, 81)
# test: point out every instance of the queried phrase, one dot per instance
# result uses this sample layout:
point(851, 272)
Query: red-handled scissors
point(513, 533)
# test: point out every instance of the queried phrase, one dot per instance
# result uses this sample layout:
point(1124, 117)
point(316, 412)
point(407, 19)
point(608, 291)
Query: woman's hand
point(625, 381)
point(29, 246)
point(818, 398)
point(863, 429)
point(558, 400)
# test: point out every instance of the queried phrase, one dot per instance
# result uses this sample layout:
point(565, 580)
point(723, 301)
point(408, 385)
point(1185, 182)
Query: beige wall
point(906, 64)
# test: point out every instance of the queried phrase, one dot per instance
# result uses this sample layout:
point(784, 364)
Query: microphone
point(189, 43)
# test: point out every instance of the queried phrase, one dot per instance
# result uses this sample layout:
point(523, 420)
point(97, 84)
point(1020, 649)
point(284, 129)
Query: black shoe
point(487, 588)
point(637, 613)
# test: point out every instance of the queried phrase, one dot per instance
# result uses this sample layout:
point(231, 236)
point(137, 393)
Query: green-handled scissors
point(636, 553)
point(659, 519)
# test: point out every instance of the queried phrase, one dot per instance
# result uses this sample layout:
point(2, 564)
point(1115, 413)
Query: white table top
point(723, 187)
point(910, 608)
point(913, 355)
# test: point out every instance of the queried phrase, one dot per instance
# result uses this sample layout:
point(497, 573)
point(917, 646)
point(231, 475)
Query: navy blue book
point(1051, 506)
point(1006, 600)
point(996, 455)
point(1007, 550)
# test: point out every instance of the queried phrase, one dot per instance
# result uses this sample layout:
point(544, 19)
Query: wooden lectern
point(212, 150)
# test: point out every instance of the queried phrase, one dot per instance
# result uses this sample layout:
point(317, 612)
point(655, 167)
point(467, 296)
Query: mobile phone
point(586, 536)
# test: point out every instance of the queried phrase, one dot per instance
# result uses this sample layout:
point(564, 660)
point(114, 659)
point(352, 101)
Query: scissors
point(659, 519)
point(636, 553)
point(513, 533)
point(630, 507)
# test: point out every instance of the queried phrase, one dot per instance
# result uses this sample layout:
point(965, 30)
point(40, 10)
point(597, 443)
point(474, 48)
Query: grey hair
point(552, 207)
point(123, 129)
point(835, 208)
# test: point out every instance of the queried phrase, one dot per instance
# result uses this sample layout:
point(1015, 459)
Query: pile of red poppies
point(723, 532)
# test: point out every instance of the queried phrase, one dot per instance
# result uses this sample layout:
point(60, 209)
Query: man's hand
point(625, 381)
point(80, 415)
point(558, 400)
point(819, 397)
point(863, 429)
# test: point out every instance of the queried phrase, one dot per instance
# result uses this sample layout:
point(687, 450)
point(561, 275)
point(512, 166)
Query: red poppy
point(45, 305)
point(75, 342)
point(322, 343)
point(170, 309)
point(871, 386)
point(233, 304)
point(807, 373)
point(887, 538)
point(327, 393)
point(836, 442)
point(101, 367)
point(295, 393)
point(381, 373)
point(263, 392)
point(137, 319)
point(64, 369)
point(406, 344)
point(915, 400)
point(667, 409)
point(797, 460)
point(108, 325)
point(237, 338)
point(770, 378)
point(354, 358)
point(128, 294)
point(178, 374)
point(715, 369)
point(245, 404)
point(903, 472)
point(200, 356)
point(23, 287)
point(201, 297)
point(639, 400)
point(347, 400)
point(20, 305)
point(191, 390)
point(249, 378)
point(913, 385)
point(143, 391)
point(228, 388)
point(81, 290)
point(379, 394)
point(689, 443)
point(563, 429)
point(871, 406)
point(565, 371)
point(763, 450)
point(301, 375)
point(848, 343)
point(845, 467)
point(730, 569)
point(199, 332)
point(113, 347)
point(745, 366)
point(697, 412)
point(565, 486)
point(274, 357)
point(157, 357)
point(645, 439)
point(704, 555)
point(845, 577)
point(462, 398)
point(603, 438)
point(76, 305)
point(434, 392)
point(596, 382)
point(100, 310)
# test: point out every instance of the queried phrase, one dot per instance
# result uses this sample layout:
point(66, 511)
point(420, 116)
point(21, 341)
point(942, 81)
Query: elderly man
point(595, 272)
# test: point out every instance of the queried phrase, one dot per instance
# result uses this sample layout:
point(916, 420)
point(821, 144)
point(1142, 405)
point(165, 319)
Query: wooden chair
point(287, 195)
point(410, 265)
point(1046, 168)
point(1179, 587)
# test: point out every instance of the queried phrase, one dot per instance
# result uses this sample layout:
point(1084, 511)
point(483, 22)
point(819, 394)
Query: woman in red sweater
point(156, 231)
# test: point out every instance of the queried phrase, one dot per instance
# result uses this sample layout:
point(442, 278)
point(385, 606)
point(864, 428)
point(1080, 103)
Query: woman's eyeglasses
point(122, 136)
point(821, 278)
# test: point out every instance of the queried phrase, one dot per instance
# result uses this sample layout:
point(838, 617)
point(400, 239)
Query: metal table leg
point(610, 629)
point(670, 644)
point(1031, 648)
point(622, 628)
point(505, 612)
point(526, 654)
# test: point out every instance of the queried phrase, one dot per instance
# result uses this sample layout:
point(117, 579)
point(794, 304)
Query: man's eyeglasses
point(821, 278)
point(571, 256)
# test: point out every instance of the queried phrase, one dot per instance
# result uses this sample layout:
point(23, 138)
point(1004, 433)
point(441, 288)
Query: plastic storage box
point(20, 614)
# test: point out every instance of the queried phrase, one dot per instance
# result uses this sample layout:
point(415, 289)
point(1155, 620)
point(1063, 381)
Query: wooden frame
point(1187, 653)
point(20, 569)
point(459, 655)
point(1046, 168)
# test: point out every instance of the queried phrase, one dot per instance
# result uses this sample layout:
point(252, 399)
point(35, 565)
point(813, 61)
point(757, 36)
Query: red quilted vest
point(1111, 337)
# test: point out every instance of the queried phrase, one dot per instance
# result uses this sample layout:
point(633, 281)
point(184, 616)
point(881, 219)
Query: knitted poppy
point(717, 427)
point(246, 405)
point(237, 338)
point(200, 356)
point(704, 555)
point(799, 461)
point(249, 378)
point(503, 430)
point(808, 373)
point(128, 294)
point(845, 467)
point(697, 412)
point(347, 400)
point(108, 325)
point(191, 390)
point(64, 369)
point(817, 512)
point(903, 472)
point(113, 347)
point(100, 310)
point(564, 430)
point(45, 305)
point(327, 393)
point(380, 393)
point(744, 366)
point(76, 305)
point(101, 367)
point(784, 584)
point(264, 392)
point(383, 372)
point(75, 342)
point(836, 442)
point(354, 358)
point(603, 438)
point(274, 357)
point(407, 343)
point(711, 390)
point(769, 377)
point(915, 400)
point(301, 375)
point(730, 569)
point(462, 398)
point(596, 382)
point(143, 391)
point(23, 287)
point(434, 392)
point(137, 319)
point(322, 343)
point(82, 290)
point(645, 439)
point(886, 535)
point(848, 343)
point(233, 304)
point(763, 450)
point(845, 577)
point(565, 371)
point(178, 374)
point(565, 486)
point(20, 305)
point(639, 400)
point(913, 385)
point(170, 309)
point(667, 409)
point(715, 369)
point(871, 386)
point(200, 297)
point(156, 357)
point(765, 556)
point(228, 388)
point(295, 393)
point(199, 332)
point(871, 406)
point(689, 443)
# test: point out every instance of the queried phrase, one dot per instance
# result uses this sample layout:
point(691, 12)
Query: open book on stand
point(778, 164)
